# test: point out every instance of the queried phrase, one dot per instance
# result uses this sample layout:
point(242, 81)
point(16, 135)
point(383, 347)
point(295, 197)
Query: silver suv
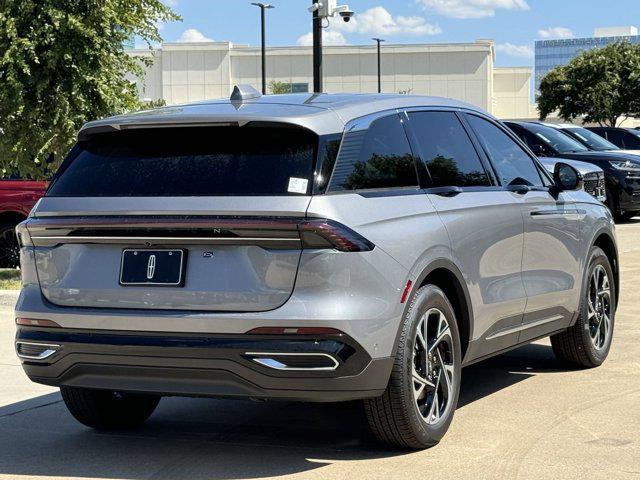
point(306, 247)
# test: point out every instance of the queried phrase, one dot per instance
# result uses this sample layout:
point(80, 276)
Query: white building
point(188, 72)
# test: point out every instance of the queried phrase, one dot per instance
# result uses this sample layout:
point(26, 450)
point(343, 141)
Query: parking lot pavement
point(520, 416)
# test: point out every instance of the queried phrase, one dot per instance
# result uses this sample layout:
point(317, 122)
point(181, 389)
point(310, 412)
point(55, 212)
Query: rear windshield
point(190, 161)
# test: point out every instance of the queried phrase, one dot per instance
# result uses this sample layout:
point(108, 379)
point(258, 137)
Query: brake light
point(330, 234)
point(24, 239)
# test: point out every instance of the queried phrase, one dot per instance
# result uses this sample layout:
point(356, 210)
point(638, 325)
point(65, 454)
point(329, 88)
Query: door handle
point(445, 191)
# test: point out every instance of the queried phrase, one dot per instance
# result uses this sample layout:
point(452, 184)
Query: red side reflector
point(294, 331)
point(406, 291)
point(36, 322)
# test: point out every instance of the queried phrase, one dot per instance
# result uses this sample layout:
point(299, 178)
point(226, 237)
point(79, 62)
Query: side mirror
point(567, 178)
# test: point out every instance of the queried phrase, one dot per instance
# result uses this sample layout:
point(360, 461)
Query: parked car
point(621, 170)
point(17, 197)
point(306, 247)
point(593, 177)
point(590, 139)
point(626, 138)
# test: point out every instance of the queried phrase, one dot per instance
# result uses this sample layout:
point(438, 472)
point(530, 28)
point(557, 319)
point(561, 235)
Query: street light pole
point(379, 41)
point(262, 7)
point(317, 49)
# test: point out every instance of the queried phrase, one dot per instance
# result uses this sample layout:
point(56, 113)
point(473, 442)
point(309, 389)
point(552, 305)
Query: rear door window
point(379, 157)
point(191, 161)
point(446, 149)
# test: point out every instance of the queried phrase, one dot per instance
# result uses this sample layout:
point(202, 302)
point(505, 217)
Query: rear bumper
point(205, 364)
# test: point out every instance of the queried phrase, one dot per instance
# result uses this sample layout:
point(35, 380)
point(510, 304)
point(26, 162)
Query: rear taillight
point(24, 239)
point(330, 234)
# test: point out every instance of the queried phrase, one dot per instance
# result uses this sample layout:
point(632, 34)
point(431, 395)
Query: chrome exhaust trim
point(48, 350)
point(268, 359)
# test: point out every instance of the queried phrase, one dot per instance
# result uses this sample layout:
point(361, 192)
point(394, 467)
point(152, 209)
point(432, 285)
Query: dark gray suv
point(306, 247)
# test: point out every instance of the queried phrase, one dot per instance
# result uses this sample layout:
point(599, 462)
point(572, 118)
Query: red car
point(17, 197)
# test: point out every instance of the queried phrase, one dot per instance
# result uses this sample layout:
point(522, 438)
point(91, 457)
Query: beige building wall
point(188, 72)
point(512, 93)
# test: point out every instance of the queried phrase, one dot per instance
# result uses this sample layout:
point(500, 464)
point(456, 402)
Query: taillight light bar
point(323, 233)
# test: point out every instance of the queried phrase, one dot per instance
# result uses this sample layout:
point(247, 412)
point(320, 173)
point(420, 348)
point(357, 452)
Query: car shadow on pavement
point(222, 439)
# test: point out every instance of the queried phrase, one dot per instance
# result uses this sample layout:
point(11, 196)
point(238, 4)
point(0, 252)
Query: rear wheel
point(420, 400)
point(588, 341)
point(108, 410)
point(9, 249)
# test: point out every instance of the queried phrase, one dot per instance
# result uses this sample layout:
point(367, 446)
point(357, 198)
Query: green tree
point(279, 87)
point(62, 63)
point(599, 85)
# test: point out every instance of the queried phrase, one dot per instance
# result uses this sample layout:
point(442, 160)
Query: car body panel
point(515, 269)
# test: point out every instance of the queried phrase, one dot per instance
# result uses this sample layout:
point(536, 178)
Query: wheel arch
point(444, 274)
point(12, 216)
point(604, 240)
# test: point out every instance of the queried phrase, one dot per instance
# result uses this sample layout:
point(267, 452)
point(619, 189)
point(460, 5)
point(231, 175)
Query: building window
point(299, 88)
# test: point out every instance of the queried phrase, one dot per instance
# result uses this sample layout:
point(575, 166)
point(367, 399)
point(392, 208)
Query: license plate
point(152, 267)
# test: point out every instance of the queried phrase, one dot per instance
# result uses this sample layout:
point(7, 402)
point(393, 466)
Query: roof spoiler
point(244, 92)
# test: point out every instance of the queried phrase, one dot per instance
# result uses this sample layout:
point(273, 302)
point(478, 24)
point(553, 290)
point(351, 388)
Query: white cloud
point(472, 8)
point(555, 32)
point(378, 21)
point(191, 35)
point(329, 38)
point(520, 51)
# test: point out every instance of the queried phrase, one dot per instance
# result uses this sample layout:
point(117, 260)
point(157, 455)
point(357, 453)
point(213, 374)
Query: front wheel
point(108, 410)
point(587, 342)
point(420, 400)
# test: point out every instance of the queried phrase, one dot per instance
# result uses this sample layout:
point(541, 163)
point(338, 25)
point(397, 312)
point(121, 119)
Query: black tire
point(627, 216)
point(395, 418)
point(576, 346)
point(108, 410)
point(9, 249)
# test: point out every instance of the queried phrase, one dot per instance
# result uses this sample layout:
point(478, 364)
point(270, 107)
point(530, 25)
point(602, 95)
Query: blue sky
point(513, 24)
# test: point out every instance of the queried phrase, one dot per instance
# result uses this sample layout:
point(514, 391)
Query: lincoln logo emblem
point(151, 267)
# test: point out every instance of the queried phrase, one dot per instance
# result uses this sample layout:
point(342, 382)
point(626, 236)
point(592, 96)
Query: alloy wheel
point(433, 366)
point(599, 307)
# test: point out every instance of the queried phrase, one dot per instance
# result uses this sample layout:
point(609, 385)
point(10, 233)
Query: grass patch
point(9, 279)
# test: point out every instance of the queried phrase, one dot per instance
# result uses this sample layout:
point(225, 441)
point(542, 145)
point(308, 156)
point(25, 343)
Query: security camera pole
point(322, 10)
point(263, 6)
point(379, 40)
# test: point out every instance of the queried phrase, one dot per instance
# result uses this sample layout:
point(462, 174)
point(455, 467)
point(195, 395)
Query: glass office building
point(554, 53)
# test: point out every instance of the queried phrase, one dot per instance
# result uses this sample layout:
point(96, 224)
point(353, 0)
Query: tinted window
point(379, 157)
point(590, 139)
point(631, 139)
point(513, 164)
point(616, 137)
point(245, 160)
point(447, 150)
point(554, 139)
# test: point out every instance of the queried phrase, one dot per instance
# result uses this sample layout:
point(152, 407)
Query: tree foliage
point(277, 88)
point(600, 85)
point(62, 63)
